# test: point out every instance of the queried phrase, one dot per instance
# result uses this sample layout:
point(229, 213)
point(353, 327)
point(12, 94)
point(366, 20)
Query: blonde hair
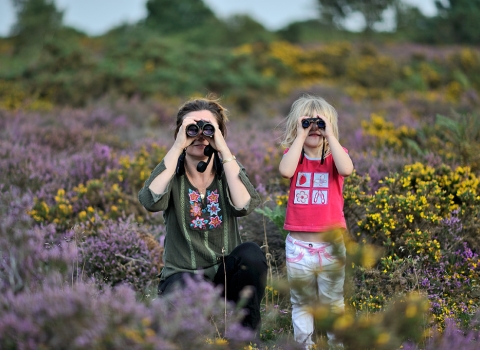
point(309, 106)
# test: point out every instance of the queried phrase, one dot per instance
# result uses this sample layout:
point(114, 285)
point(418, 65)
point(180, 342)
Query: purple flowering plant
point(79, 256)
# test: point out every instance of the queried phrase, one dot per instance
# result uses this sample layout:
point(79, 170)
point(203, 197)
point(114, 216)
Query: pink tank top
point(315, 202)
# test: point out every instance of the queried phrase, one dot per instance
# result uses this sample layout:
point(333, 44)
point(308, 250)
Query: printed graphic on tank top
point(311, 188)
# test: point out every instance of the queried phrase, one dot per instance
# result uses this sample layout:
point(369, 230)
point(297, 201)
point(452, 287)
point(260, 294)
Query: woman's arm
point(159, 184)
point(182, 141)
point(150, 200)
point(152, 194)
point(238, 192)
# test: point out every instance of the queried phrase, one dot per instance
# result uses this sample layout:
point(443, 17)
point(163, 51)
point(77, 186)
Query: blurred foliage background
point(182, 48)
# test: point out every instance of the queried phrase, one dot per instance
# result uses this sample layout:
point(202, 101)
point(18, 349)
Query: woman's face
point(200, 141)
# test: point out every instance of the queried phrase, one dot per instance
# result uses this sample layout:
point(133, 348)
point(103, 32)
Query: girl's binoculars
point(320, 123)
point(205, 127)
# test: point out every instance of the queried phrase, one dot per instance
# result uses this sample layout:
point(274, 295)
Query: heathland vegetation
point(85, 119)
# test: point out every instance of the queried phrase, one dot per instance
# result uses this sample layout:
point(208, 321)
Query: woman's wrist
point(177, 148)
point(229, 159)
point(225, 153)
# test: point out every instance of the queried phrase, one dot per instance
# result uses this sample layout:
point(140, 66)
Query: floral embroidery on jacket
point(194, 196)
point(215, 221)
point(204, 216)
point(213, 209)
point(196, 209)
point(213, 196)
point(199, 223)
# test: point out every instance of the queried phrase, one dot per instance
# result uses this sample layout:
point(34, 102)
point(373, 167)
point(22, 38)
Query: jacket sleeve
point(152, 201)
point(254, 196)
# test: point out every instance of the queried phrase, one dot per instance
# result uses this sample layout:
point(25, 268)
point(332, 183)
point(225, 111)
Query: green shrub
point(402, 215)
point(372, 71)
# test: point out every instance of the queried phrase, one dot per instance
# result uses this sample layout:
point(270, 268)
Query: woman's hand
point(218, 142)
point(183, 140)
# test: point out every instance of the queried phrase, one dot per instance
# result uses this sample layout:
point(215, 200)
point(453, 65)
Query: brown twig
point(225, 291)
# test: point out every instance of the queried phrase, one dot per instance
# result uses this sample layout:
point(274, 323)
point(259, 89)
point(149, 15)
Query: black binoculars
point(207, 129)
point(320, 123)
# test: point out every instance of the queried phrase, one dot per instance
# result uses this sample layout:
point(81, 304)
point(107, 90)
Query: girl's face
point(315, 137)
point(200, 141)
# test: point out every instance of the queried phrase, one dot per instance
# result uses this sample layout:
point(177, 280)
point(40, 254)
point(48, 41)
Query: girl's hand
point(328, 130)
point(301, 132)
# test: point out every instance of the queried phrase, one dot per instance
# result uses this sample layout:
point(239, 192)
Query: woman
point(202, 190)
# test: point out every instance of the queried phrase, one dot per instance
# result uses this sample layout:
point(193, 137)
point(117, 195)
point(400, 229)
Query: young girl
point(316, 164)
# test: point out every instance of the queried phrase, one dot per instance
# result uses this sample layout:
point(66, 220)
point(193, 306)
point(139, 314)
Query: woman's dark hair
point(204, 104)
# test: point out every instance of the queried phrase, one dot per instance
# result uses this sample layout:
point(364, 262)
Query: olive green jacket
point(197, 230)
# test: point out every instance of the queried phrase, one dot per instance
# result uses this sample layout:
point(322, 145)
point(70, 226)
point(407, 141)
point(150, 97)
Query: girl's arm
point(342, 160)
point(289, 161)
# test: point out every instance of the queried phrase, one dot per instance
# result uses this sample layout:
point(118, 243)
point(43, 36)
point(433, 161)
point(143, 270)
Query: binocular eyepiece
point(320, 123)
point(206, 128)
